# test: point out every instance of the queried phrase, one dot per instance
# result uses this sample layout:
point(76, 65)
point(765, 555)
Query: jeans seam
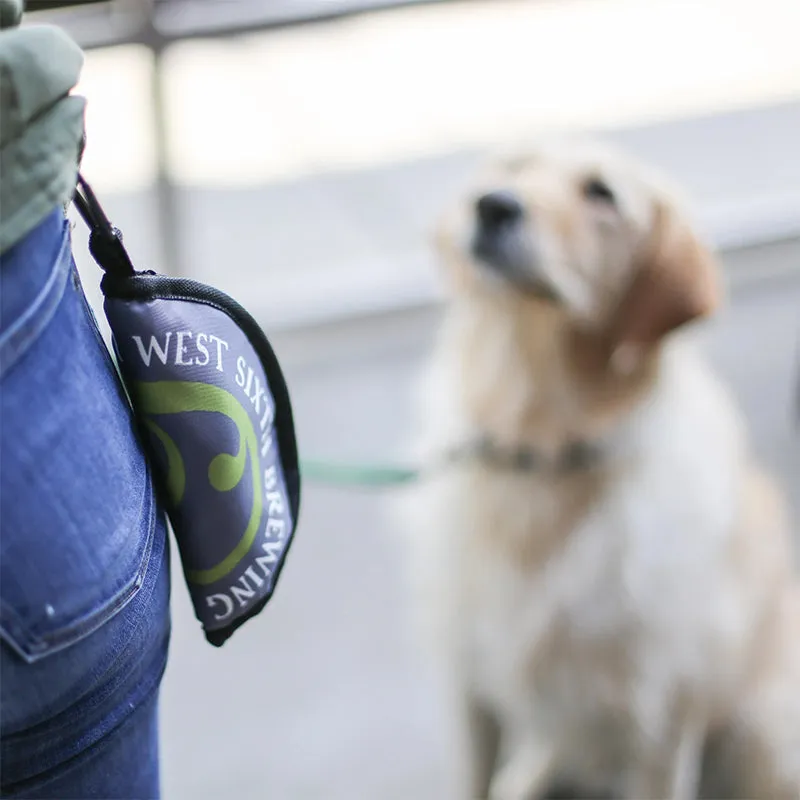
point(31, 323)
point(90, 315)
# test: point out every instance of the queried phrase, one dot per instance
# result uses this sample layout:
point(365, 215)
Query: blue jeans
point(84, 559)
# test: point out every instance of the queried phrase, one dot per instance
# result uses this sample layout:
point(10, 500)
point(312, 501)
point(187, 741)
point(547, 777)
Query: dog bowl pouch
point(216, 420)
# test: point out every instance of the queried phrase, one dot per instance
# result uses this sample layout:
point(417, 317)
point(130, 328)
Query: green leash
point(366, 475)
point(578, 455)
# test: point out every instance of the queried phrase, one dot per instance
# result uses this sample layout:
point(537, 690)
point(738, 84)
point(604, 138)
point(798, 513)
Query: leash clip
point(105, 240)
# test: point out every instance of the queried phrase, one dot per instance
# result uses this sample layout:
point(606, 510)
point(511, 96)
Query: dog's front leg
point(668, 764)
point(480, 731)
point(527, 772)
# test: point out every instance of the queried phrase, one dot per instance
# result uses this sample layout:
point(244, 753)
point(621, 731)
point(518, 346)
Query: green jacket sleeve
point(41, 124)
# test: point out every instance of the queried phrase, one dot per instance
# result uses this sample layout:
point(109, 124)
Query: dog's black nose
point(499, 207)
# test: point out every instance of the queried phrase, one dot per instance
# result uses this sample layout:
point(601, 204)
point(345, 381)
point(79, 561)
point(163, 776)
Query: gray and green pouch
point(216, 420)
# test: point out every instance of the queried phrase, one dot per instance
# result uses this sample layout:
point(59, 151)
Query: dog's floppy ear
point(676, 281)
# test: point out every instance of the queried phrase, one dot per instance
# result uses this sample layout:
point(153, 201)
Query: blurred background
point(295, 153)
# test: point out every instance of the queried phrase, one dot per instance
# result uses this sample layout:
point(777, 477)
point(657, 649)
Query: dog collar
point(574, 457)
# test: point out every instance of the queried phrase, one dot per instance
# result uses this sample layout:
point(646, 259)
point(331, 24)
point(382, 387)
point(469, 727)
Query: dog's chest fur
point(540, 608)
point(542, 604)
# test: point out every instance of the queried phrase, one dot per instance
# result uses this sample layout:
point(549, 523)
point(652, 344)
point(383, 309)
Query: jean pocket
point(77, 507)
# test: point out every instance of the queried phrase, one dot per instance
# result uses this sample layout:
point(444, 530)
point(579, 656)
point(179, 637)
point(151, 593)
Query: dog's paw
point(509, 784)
point(521, 777)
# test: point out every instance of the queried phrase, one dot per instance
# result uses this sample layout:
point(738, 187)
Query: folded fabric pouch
point(216, 420)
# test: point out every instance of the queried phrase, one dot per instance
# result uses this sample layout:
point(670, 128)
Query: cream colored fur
point(764, 759)
point(600, 623)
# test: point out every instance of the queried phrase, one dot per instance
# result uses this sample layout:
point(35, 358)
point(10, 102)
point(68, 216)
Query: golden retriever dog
point(598, 559)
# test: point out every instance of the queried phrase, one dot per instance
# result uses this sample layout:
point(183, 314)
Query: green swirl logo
point(225, 470)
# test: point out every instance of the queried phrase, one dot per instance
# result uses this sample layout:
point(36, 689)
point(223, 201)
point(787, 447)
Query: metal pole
point(167, 202)
point(168, 222)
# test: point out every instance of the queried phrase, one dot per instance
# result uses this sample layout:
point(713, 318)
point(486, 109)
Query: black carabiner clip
point(105, 241)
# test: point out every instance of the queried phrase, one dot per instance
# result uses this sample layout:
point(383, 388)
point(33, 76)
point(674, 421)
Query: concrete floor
point(326, 696)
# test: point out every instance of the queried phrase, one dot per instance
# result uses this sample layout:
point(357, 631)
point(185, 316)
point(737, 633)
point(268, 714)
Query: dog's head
point(587, 234)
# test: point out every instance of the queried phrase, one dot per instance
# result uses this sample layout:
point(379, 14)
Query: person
point(84, 559)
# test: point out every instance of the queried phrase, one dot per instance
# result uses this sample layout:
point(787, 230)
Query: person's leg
point(84, 559)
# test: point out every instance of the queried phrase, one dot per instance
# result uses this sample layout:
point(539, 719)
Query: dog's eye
point(598, 191)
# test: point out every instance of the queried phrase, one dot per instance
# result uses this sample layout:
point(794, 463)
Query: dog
point(598, 559)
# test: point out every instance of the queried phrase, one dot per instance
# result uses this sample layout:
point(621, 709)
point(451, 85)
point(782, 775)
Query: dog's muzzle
point(502, 241)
